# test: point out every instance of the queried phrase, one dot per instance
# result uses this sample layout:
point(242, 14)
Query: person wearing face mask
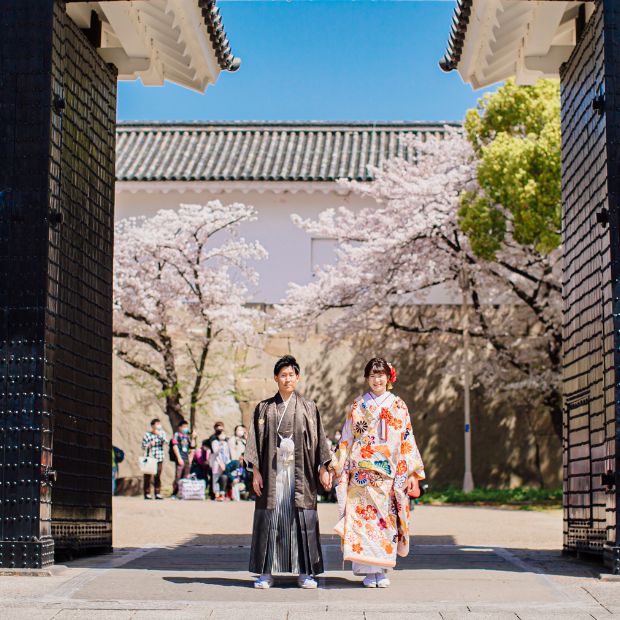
point(219, 460)
point(182, 443)
point(236, 472)
point(237, 443)
point(153, 444)
point(218, 427)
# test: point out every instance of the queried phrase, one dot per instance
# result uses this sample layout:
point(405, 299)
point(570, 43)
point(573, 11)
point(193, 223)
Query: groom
point(288, 454)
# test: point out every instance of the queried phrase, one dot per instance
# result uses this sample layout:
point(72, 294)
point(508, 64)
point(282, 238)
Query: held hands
point(257, 482)
point(326, 477)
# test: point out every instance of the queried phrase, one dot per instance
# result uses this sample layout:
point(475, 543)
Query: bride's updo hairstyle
point(377, 365)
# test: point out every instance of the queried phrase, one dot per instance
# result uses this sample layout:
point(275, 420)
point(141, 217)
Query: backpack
point(171, 455)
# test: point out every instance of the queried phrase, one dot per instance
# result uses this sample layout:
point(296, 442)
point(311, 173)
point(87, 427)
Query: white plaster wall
point(289, 248)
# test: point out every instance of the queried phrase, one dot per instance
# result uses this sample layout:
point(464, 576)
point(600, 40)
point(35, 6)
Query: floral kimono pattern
point(375, 457)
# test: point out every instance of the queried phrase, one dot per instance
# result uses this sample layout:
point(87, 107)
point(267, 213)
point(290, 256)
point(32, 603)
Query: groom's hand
point(257, 482)
point(326, 478)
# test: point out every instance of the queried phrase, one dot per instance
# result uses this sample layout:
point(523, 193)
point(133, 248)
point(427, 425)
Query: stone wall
point(513, 442)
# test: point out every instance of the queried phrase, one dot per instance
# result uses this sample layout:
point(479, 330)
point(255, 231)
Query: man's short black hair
point(155, 421)
point(283, 362)
point(182, 423)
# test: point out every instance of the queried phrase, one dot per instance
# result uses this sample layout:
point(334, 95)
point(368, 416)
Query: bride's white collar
point(385, 399)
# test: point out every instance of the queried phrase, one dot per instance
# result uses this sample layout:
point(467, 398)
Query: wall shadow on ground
point(509, 448)
point(223, 553)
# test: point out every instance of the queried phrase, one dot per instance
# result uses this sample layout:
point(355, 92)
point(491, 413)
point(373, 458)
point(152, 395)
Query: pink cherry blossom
point(181, 283)
point(392, 254)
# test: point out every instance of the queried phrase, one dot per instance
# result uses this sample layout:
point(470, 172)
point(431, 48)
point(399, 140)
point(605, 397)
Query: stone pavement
point(196, 567)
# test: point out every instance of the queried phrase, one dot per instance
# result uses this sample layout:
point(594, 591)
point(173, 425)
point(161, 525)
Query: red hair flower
point(393, 375)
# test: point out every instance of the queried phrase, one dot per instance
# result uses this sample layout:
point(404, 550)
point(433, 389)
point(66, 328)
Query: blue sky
point(321, 60)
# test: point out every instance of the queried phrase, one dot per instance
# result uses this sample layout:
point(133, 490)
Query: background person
point(217, 428)
point(219, 460)
point(118, 456)
point(153, 444)
point(181, 445)
point(200, 463)
point(235, 470)
point(237, 443)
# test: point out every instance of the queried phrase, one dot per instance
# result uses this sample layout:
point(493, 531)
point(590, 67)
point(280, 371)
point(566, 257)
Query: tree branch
point(149, 370)
point(138, 338)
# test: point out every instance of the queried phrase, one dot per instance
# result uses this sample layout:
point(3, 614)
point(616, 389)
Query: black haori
point(285, 535)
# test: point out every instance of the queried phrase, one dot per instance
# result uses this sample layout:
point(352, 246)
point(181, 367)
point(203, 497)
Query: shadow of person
point(236, 582)
point(280, 582)
point(331, 583)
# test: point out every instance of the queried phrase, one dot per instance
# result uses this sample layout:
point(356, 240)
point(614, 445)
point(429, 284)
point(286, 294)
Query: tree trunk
point(174, 411)
point(200, 371)
point(553, 402)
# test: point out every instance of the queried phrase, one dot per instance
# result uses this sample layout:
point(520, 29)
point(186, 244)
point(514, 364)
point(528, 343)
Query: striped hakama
point(282, 548)
point(286, 538)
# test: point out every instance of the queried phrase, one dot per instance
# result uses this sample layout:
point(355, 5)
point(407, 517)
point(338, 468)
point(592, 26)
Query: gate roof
point(182, 41)
point(492, 40)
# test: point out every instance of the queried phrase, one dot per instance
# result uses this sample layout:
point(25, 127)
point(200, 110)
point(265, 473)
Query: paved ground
point(188, 560)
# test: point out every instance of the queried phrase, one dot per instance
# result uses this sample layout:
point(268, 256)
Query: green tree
point(513, 218)
point(515, 133)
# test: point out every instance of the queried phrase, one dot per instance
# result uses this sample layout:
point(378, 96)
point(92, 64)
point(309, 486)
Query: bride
point(377, 465)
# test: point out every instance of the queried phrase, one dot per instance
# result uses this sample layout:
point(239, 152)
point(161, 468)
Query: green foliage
point(515, 133)
point(523, 497)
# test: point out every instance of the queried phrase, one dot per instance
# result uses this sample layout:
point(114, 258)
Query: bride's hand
point(413, 487)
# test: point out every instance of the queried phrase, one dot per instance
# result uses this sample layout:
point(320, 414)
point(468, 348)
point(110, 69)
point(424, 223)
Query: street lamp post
point(468, 479)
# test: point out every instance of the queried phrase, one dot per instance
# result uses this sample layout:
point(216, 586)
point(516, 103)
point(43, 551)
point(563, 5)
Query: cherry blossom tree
point(181, 283)
point(391, 256)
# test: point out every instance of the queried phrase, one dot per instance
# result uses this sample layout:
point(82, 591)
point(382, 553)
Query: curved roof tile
point(460, 21)
point(217, 35)
point(273, 151)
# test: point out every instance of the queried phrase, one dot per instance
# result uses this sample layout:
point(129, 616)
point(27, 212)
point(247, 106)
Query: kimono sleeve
point(323, 456)
point(252, 448)
point(343, 451)
point(409, 450)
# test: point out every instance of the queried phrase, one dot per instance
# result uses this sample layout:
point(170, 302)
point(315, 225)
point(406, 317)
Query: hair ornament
point(392, 377)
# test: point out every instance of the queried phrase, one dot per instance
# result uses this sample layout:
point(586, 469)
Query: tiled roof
point(259, 151)
point(460, 21)
point(218, 37)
